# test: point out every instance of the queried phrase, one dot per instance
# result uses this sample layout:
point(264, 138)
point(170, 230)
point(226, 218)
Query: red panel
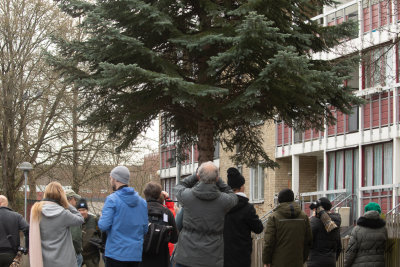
point(196, 154)
point(287, 133)
point(384, 112)
point(384, 12)
point(279, 141)
point(340, 122)
point(315, 134)
point(398, 10)
point(163, 159)
point(366, 116)
point(307, 134)
point(366, 19)
point(375, 114)
point(375, 16)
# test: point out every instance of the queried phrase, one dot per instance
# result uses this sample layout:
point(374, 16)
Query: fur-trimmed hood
point(371, 219)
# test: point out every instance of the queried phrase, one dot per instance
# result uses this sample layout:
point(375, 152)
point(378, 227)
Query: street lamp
point(25, 167)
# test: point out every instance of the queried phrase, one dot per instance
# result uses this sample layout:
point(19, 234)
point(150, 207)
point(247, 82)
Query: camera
point(315, 204)
point(23, 250)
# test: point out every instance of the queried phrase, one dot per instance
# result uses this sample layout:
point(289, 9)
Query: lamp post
point(25, 167)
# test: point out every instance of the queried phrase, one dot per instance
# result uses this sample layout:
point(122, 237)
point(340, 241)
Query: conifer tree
point(214, 69)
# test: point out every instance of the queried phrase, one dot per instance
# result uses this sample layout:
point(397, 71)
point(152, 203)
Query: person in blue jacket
point(124, 219)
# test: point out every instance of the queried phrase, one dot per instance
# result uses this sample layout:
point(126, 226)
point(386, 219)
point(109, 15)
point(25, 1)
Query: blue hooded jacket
point(124, 218)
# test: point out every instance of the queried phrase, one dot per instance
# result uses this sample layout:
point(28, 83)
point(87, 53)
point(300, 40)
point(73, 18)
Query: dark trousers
point(6, 259)
point(180, 265)
point(114, 263)
point(91, 261)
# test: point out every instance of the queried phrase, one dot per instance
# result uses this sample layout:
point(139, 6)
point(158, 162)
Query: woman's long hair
point(53, 191)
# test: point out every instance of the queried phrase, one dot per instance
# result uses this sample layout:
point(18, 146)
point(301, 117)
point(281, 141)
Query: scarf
point(35, 244)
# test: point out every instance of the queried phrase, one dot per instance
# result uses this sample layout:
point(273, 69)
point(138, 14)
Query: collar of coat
point(371, 219)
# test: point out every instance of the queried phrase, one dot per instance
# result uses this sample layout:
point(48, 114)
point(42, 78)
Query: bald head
point(3, 201)
point(208, 173)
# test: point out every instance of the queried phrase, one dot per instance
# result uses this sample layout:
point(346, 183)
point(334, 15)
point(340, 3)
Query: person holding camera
point(326, 246)
point(10, 224)
point(50, 242)
point(161, 215)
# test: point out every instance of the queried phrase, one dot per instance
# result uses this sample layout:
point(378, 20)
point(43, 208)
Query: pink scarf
point(35, 244)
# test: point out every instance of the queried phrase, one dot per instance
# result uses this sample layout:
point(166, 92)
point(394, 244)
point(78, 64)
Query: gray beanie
point(121, 174)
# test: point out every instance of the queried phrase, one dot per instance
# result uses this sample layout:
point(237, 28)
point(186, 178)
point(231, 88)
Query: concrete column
point(396, 168)
point(295, 175)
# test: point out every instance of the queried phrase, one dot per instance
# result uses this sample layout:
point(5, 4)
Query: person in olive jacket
point(368, 239)
point(326, 247)
point(240, 221)
point(288, 238)
point(90, 253)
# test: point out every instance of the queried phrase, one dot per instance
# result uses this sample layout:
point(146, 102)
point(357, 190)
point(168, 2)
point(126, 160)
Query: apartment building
point(353, 162)
point(358, 159)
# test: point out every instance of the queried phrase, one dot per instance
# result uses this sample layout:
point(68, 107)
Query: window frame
point(257, 183)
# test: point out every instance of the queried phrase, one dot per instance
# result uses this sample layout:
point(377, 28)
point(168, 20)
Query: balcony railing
point(381, 194)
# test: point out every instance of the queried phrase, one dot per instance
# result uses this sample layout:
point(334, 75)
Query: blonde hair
point(53, 191)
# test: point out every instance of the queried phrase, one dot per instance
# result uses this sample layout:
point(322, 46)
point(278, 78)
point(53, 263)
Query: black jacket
point(11, 223)
point(162, 259)
point(367, 243)
point(326, 247)
point(240, 221)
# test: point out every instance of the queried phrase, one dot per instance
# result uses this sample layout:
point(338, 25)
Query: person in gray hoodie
point(206, 200)
point(55, 217)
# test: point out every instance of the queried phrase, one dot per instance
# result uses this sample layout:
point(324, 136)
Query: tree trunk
point(75, 155)
point(205, 144)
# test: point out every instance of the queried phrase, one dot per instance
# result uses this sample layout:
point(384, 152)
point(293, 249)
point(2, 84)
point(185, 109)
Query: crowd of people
point(211, 229)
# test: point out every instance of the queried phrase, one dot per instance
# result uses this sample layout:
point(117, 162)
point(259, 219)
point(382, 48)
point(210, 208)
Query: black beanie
point(235, 179)
point(82, 204)
point(285, 195)
point(325, 203)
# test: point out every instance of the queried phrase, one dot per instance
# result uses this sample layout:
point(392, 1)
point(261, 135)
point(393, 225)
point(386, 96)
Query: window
point(216, 150)
point(343, 169)
point(353, 120)
point(378, 164)
point(168, 185)
point(378, 67)
point(298, 136)
point(257, 184)
point(172, 158)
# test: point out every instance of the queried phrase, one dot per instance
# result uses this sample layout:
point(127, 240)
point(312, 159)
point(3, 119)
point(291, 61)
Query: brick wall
point(278, 179)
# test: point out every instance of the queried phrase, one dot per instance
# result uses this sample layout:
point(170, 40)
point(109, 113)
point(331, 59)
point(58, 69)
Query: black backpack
point(157, 234)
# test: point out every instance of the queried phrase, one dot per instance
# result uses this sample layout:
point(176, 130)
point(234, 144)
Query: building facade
point(353, 162)
point(357, 160)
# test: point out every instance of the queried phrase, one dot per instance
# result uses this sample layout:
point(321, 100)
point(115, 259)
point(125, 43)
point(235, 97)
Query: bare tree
point(30, 93)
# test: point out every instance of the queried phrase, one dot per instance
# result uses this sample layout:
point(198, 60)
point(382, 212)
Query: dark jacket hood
point(242, 202)
point(288, 209)
point(206, 191)
point(128, 195)
point(371, 219)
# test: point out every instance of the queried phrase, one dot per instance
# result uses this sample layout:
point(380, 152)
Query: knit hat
point(235, 179)
point(121, 174)
point(71, 193)
point(285, 195)
point(325, 203)
point(82, 204)
point(373, 206)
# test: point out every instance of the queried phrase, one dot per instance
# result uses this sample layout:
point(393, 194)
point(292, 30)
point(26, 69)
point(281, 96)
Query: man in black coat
point(240, 221)
point(11, 223)
point(326, 247)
